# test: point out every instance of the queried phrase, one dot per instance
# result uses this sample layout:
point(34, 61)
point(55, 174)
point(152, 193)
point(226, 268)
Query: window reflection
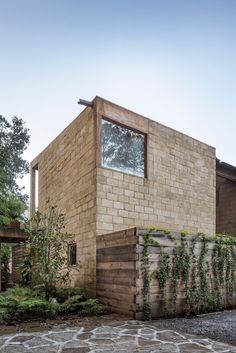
point(123, 149)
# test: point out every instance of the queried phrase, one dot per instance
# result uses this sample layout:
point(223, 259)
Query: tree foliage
point(5, 252)
point(49, 243)
point(14, 139)
point(122, 148)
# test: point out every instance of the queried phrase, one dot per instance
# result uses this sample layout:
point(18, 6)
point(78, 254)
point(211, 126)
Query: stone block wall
point(179, 191)
point(66, 172)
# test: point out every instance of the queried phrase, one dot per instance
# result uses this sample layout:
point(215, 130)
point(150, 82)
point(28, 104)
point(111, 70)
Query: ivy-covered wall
point(150, 273)
point(184, 274)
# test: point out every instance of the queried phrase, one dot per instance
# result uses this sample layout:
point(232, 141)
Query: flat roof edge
point(149, 119)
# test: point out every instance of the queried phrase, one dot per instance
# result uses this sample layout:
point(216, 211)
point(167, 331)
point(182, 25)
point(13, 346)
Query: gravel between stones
point(220, 326)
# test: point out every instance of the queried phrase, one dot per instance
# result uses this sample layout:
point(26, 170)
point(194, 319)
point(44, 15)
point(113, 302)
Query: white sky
point(172, 61)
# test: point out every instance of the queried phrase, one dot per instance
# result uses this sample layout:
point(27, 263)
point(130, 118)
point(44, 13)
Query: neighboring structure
point(225, 198)
point(112, 169)
point(11, 236)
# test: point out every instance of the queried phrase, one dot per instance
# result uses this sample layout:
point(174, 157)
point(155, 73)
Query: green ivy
point(203, 291)
point(162, 274)
point(193, 281)
point(146, 278)
point(205, 279)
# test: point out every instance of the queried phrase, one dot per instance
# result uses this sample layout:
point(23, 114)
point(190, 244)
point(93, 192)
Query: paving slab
point(118, 337)
point(115, 337)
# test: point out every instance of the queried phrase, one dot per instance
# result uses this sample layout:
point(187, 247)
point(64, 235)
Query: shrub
point(13, 297)
point(22, 303)
point(3, 315)
point(91, 307)
point(21, 293)
point(84, 307)
point(25, 303)
point(63, 294)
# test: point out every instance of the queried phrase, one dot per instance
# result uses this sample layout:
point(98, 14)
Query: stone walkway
point(117, 337)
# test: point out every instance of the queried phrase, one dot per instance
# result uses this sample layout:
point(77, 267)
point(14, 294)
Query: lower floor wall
point(153, 273)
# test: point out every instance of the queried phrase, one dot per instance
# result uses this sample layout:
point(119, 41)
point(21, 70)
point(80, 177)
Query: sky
point(173, 61)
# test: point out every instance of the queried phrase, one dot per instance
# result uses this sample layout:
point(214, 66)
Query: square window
point(123, 149)
point(72, 254)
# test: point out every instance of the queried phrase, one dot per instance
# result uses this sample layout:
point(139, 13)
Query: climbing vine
point(146, 278)
point(162, 274)
point(193, 280)
point(201, 266)
point(203, 292)
point(148, 241)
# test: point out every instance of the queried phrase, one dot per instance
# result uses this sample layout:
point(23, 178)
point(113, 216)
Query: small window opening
point(72, 254)
point(36, 189)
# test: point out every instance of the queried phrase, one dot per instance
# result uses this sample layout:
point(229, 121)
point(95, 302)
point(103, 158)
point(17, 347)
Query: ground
point(111, 334)
point(220, 326)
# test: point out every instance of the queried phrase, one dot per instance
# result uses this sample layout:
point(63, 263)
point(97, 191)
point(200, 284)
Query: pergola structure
point(11, 235)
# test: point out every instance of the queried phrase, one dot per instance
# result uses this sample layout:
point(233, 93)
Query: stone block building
point(112, 169)
point(225, 198)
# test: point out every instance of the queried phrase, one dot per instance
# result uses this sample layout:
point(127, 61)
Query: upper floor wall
point(177, 190)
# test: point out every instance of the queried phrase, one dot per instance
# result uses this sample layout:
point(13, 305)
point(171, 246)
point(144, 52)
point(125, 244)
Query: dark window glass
point(72, 257)
point(123, 149)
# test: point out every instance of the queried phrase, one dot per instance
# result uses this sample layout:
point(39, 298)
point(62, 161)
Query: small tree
point(49, 242)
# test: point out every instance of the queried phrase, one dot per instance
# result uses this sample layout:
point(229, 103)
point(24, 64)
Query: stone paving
point(116, 337)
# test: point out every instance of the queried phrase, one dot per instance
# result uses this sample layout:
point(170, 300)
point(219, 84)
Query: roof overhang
point(225, 170)
point(11, 235)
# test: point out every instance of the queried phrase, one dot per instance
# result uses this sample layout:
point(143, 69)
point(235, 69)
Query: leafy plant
point(21, 303)
point(48, 241)
point(24, 303)
point(5, 252)
point(14, 139)
point(146, 277)
point(207, 274)
point(162, 274)
point(64, 294)
point(4, 316)
point(26, 266)
point(90, 307)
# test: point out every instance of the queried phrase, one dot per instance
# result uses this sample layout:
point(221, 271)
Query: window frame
point(112, 121)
